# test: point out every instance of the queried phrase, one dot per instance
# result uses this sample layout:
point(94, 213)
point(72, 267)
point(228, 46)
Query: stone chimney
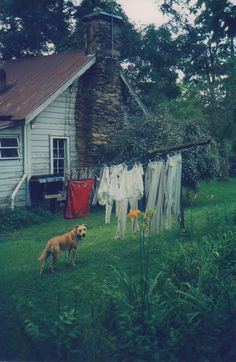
point(103, 34)
point(99, 107)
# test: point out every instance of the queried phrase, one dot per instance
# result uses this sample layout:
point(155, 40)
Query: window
point(9, 147)
point(59, 153)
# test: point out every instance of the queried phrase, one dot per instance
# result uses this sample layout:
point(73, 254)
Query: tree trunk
point(224, 161)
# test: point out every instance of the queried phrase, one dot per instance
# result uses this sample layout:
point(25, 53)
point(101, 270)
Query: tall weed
point(188, 312)
point(219, 216)
point(52, 337)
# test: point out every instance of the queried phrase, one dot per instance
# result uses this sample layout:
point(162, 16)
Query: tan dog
point(68, 241)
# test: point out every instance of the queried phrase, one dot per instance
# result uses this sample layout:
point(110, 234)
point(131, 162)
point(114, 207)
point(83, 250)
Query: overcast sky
point(143, 12)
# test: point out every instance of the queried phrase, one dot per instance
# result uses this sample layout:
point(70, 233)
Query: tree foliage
point(141, 135)
point(154, 70)
point(40, 27)
point(33, 27)
point(197, 42)
point(207, 60)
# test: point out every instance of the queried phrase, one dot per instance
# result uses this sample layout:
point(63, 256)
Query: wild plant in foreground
point(192, 197)
point(131, 304)
point(52, 337)
point(144, 219)
point(186, 313)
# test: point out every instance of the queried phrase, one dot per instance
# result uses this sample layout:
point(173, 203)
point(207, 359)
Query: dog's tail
point(44, 254)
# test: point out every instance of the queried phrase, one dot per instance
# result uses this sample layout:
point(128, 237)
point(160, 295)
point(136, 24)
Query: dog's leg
point(55, 255)
point(68, 256)
point(54, 260)
point(42, 266)
point(73, 252)
point(43, 260)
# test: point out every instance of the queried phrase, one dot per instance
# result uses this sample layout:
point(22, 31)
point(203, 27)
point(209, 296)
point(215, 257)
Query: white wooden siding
point(58, 119)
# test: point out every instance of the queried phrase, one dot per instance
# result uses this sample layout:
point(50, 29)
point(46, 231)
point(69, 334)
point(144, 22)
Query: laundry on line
point(78, 198)
point(161, 186)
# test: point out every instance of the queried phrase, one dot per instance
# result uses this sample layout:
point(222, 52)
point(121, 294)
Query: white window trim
point(17, 147)
point(67, 151)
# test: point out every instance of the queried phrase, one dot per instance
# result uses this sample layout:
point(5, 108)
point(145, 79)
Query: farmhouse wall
point(57, 120)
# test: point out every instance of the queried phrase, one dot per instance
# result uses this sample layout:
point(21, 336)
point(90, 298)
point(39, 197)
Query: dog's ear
point(75, 227)
point(85, 225)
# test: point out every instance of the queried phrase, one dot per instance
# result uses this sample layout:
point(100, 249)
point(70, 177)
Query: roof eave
point(61, 89)
point(9, 124)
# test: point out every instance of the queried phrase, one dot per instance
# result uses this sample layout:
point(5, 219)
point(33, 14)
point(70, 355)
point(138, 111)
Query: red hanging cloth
point(78, 198)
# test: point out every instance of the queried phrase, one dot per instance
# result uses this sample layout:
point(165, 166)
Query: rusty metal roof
point(31, 81)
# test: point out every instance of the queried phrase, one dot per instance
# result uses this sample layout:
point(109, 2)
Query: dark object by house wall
point(99, 105)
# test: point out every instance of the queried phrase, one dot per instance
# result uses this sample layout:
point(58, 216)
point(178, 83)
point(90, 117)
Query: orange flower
point(134, 213)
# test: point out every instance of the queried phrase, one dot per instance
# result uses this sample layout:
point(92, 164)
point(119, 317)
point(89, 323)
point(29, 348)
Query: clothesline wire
point(159, 153)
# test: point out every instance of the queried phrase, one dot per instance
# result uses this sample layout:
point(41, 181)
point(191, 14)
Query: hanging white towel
point(104, 187)
point(154, 186)
point(173, 188)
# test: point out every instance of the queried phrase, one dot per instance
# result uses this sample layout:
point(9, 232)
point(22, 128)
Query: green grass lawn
point(21, 283)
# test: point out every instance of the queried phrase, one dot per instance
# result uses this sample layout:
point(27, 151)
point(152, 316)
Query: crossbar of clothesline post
point(179, 147)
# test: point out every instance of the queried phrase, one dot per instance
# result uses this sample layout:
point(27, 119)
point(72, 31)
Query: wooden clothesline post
point(176, 148)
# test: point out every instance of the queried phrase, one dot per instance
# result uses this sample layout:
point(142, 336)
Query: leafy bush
point(140, 135)
point(199, 163)
point(12, 220)
point(52, 337)
point(190, 309)
point(232, 166)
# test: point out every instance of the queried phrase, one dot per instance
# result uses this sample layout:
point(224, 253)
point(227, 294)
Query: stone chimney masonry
point(99, 105)
point(103, 34)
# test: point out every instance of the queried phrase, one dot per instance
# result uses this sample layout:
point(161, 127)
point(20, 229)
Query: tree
point(153, 70)
point(47, 26)
point(33, 27)
point(207, 60)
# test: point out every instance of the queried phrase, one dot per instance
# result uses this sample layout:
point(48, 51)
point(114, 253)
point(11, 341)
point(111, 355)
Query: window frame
point(66, 156)
point(10, 148)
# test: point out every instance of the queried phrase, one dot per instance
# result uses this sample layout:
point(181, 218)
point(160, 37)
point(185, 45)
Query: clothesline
point(179, 147)
point(94, 171)
point(91, 171)
point(124, 188)
point(164, 181)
